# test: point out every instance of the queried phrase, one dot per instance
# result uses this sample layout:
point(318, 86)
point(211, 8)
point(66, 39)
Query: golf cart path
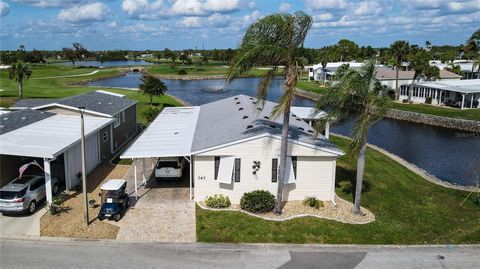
point(71, 76)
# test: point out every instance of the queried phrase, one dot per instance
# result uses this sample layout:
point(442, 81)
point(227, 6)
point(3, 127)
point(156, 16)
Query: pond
point(107, 63)
point(444, 153)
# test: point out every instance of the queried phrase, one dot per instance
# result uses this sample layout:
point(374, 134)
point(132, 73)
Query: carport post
point(135, 177)
point(191, 183)
point(143, 171)
point(48, 180)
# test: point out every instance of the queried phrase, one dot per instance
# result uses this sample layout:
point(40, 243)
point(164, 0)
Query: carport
point(169, 135)
point(57, 136)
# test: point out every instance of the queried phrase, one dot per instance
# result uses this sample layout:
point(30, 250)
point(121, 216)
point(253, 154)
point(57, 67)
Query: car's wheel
point(32, 207)
point(117, 217)
point(55, 189)
point(127, 204)
point(101, 217)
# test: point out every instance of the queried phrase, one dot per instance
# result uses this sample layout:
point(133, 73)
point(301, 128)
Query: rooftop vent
point(236, 98)
point(5, 118)
point(299, 119)
point(251, 98)
point(99, 103)
point(175, 133)
point(294, 115)
point(245, 117)
point(249, 126)
point(272, 126)
point(301, 129)
point(266, 117)
point(109, 103)
point(23, 118)
point(238, 103)
point(310, 131)
point(254, 103)
point(240, 109)
point(259, 108)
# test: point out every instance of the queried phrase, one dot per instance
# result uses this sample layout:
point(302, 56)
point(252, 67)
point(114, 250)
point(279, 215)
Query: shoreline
point(415, 169)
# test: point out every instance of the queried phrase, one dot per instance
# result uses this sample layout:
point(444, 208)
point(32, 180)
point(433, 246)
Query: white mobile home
point(233, 147)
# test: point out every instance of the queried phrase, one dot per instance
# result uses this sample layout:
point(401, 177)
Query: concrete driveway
point(22, 224)
point(162, 213)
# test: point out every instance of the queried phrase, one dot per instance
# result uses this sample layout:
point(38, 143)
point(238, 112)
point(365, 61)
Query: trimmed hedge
point(217, 201)
point(258, 201)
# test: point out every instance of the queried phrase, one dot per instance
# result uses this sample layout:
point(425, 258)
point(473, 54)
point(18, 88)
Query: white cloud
point(284, 7)
point(4, 9)
point(368, 8)
point(326, 4)
point(53, 3)
point(190, 22)
point(324, 17)
point(84, 13)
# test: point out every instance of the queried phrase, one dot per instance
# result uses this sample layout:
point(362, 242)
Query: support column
point(463, 101)
point(135, 177)
point(191, 178)
point(144, 168)
point(48, 180)
point(471, 101)
point(327, 130)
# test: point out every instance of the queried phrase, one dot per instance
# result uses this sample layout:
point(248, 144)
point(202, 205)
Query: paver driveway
point(162, 213)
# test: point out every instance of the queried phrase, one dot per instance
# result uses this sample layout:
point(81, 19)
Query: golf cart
point(114, 199)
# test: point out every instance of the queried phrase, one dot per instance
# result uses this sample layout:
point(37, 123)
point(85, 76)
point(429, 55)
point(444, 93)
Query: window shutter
point(217, 166)
point(274, 170)
point(237, 169)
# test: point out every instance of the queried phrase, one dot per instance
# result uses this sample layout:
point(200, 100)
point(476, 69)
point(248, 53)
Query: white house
point(316, 72)
point(465, 66)
point(456, 93)
point(233, 147)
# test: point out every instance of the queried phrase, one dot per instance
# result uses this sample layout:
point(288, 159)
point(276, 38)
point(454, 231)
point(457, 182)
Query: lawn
point(468, 114)
point(408, 209)
point(311, 86)
point(62, 87)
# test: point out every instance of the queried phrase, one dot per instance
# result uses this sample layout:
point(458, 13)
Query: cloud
point(84, 13)
point(54, 3)
point(326, 4)
point(284, 7)
point(191, 22)
point(368, 8)
point(4, 9)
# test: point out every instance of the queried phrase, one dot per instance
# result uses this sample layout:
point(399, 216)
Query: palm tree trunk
point(151, 102)
point(20, 88)
point(359, 183)
point(397, 93)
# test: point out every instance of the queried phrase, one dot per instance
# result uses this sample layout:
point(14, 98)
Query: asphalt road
point(61, 253)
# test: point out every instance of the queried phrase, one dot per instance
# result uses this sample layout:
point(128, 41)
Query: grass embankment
point(467, 114)
point(63, 87)
point(408, 210)
point(213, 69)
point(311, 86)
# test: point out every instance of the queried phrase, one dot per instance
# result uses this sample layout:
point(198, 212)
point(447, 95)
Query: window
point(274, 170)
point(37, 184)
point(236, 171)
point(217, 166)
point(105, 136)
point(123, 116)
point(117, 121)
point(294, 163)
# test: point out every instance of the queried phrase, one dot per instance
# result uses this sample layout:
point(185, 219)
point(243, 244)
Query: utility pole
point(84, 169)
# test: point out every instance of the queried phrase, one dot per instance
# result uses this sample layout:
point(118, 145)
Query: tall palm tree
point(418, 63)
point(399, 50)
point(274, 40)
point(19, 72)
point(357, 92)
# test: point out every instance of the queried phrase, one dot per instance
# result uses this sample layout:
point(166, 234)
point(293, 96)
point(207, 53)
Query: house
point(233, 146)
point(48, 131)
point(456, 93)
point(318, 73)
point(465, 66)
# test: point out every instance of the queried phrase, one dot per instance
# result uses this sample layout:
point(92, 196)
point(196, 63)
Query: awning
point(169, 135)
point(49, 137)
point(225, 170)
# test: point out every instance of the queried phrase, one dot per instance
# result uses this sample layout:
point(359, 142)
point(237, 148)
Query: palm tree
point(274, 40)
point(19, 72)
point(418, 62)
point(356, 92)
point(399, 50)
point(432, 73)
point(476, 64)
point(152, 86)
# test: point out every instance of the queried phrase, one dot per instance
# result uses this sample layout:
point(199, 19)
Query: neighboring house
point(465, 66)
point(97, 104)
point(48, 131)
point(455, 93)
point(387, 76)
point(316, 72)
point(234, 147)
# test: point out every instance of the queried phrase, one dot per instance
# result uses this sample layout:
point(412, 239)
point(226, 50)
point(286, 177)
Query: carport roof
point(49, 137)
point(170, 134)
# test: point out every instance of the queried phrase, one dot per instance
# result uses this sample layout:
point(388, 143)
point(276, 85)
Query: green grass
point(468, 114)
point(62, 87)
point(311, 86)
point(408, 210)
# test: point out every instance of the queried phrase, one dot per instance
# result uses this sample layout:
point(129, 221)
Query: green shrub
point(313, 202)
point(405, 101)
point(182, 72)
point(150, 113)
point(217, 201)
point(258, 201)
point(428, 100)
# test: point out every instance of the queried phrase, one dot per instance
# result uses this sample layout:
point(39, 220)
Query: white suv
point(169, 167)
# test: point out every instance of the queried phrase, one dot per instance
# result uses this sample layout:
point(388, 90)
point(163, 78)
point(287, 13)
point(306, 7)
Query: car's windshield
point(8, 195)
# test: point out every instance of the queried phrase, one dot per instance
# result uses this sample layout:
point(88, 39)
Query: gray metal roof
point(17, 119)
point(100, 102)
point(229, 120)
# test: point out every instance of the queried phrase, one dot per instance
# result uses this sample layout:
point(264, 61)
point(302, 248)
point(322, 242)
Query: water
point(444, 153)
point(107, 63)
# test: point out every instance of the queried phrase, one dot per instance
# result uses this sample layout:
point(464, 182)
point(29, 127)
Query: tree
point(20, 71)
point(399, 50)
point(168, 54)
point(418, 63)
point(356, 93)
point(152, 86)
point(274, 40)
point(476, 64)
point(428, 45)
point(183, 57)
point(432, 73)
point(76, 53)
point(347, 49)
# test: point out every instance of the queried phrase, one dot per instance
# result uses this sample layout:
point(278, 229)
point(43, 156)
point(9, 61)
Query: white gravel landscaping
point(341, 212)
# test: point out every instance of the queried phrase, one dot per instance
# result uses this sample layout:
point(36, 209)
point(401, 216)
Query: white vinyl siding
point(315, 171)
point(73, 161)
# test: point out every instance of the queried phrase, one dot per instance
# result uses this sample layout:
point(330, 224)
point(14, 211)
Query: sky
point(182, 24)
